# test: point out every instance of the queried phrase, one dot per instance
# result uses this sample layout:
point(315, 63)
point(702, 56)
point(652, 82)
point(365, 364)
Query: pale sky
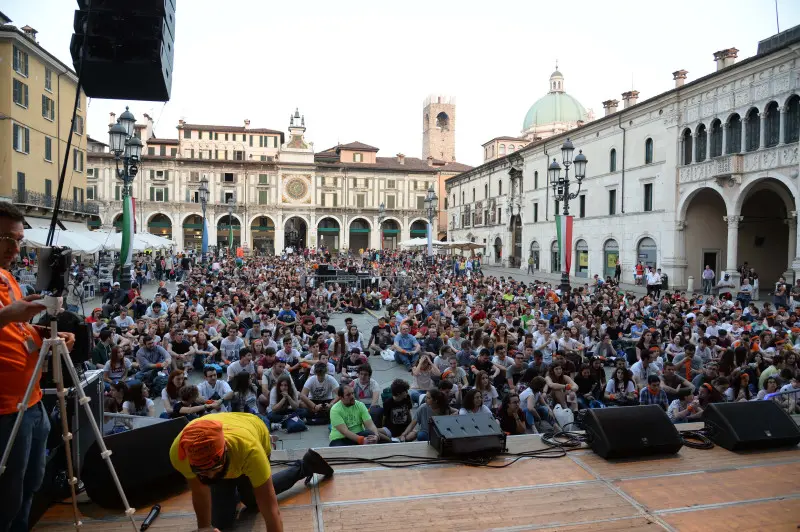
point(360, 69)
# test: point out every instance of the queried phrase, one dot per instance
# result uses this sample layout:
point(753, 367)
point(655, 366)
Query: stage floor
point(694, 490)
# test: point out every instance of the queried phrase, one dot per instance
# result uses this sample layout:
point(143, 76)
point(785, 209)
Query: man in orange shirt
point(19, 353)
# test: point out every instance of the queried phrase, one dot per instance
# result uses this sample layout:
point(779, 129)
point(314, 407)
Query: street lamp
point(231, 203)
point(202, 192)
point(127, 149)
point(561, 185)
point(431, 206)
point(381, 218)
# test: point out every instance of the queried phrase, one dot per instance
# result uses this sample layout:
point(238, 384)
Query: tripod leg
point(61, 348)
point(23, 406)
point(66, 435)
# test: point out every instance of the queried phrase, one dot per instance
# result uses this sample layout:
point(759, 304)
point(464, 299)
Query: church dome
point(554, 107)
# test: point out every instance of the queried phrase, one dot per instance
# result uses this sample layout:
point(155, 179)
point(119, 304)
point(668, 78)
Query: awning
point(78, 227)
point(37, 223)
point(77, 242)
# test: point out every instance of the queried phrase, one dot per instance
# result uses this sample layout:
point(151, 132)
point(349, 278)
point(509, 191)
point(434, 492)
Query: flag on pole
point(230, 237)
point(126, 251)
point(564, 231)
point(133, 213)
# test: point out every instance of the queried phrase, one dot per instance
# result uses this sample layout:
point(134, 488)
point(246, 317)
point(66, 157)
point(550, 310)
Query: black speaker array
point(124, 49)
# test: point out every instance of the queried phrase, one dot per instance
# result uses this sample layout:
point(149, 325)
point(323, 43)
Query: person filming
point(19, 352)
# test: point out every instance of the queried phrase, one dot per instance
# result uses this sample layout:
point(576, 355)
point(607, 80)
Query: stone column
point(762, 137)
point(743, 147)
point(405, 230)
point(790, 273)
point(679, 264)
point(708, 145)
point(694, 147)
point(783, 124)
point(375, 234)
point(733, 247)
point(724, 139)
point(280, 233)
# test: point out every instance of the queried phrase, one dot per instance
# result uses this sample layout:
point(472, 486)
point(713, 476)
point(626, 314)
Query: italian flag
point(564, 231)
point(128, 229)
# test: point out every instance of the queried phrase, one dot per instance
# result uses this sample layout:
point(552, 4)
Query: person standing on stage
point(19, 353)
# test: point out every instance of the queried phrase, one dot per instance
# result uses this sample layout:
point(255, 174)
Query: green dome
point(554, 107)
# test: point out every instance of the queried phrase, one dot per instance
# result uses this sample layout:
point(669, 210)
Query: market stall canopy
point(415, 242)
point(112, 241)
point(464, 244)
point(78, 242)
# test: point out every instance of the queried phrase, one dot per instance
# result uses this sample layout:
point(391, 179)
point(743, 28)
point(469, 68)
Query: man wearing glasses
point(19, 353)
point(225, 458)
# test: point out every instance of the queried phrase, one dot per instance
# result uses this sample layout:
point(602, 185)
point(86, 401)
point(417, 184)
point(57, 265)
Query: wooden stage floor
point(695, 490)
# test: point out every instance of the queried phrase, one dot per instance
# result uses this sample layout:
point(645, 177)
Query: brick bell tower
point(439, 128)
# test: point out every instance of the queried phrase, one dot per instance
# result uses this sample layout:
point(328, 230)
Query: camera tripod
point(60, 354)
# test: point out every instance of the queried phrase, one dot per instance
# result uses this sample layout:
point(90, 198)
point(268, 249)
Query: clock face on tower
point(296, 189)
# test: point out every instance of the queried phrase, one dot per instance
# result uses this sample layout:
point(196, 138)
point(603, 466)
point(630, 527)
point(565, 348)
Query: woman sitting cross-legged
point(562, 388)
point(435, 405)
point(284, 401)
point(473, 403)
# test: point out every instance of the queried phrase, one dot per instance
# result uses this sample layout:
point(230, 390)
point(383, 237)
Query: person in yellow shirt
point(225, 458)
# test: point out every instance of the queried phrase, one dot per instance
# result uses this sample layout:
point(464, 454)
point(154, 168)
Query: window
point(77, 195)
point(263, 197)
point(612, 161)
point(391, 184)
point(473, 195)
point(48, 188)
point(700, 145)
point(48, 149)
point(151, 150)
point(77, 160)
point(77, 126)
point(117, 193)
point(228, 178)
point(499, 215)
point(226, 136)
point(20, 93)
point(216, 136)
point(648, 197)
point(187, 134)
point(21, 188)
point(173, 152)
point(360, 200)
point(244, 137)
point(499, 188)
point(687, 146)
point(391, 202)
point(772, 123)
point(191, 153)
point(753, 130)
point(21, 138)
point(159, 194)
point(194, 176)
point(486, 191)
point(162, 150)
point(716, 138)
point(263, 179)
point(535, 179)
point(535, 212)
point(420, 203)
point(734, 144)
point(238, 155)
point(91, 192)
point(216, 154)
point(335, 200)
point(251, 141)
point(648, 151)
point(510, 148)
point(792, 126)
point(502, 149)
point(48, 80)
point(582, 206)
point(48, 108)
point(358, 157)
point(612, 202)
point(227, 196)
point(20, 62)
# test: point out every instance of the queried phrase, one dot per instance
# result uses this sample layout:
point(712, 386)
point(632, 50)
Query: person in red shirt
point(19, 353)
point(478, 314)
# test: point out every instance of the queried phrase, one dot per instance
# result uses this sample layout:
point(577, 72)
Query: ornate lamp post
point(381, 218)
point(561, 185)
point(127, 149)
point(431, 206)
point(231, 204)
point(202, 192)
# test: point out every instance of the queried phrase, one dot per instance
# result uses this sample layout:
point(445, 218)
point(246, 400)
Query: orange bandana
point(203, 443)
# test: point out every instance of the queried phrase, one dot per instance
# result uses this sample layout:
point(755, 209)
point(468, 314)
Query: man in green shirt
point(102, 351)
point(351, 423)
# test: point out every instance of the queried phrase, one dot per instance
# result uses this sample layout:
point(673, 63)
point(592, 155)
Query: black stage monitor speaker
point(750, 425)
point(141, 460)
point(631, 431)
point(468, 435)
point(125, 49)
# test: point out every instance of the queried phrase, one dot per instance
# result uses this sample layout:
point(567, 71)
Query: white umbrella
point(78, 242)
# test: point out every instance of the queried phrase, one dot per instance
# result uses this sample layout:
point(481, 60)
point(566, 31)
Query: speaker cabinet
point(631, 431)
point(750, 425)
point(141, 460)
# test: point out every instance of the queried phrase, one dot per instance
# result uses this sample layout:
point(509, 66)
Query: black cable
point(697, 439)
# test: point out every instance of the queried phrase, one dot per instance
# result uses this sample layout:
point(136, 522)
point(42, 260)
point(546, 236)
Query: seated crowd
point(258, 331)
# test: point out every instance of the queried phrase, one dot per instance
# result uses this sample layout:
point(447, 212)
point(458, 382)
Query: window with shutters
point(322, 199)
point(263, 197)
point(358, 157)
point(77, 160)
point(421, 202)
point(20, 62)
point(159, 194)
point(21, 138)
point(216, 154)
point(216, 136)
point(48, 80)
point(335, 200)
point(238, 155)
point(187, 134)
point(77, 126)
point(20, 93)
point(263, 179)
point(151, 150)
point(360, 200)
point(48, 149)
point(391, 202)
point(251, 141)
point(173, 152)
point(226, 136)
point(391, 184)
point(48, 108)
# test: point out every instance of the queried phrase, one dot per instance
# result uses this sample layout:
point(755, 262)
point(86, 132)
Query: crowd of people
point(258, 331)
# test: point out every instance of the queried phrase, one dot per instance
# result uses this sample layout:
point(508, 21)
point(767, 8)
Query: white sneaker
point(275, 427)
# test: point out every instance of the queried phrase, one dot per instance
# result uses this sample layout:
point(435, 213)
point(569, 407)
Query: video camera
point(53, 276)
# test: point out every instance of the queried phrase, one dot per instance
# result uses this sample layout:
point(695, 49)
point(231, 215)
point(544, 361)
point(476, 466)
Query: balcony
point(29, 200)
